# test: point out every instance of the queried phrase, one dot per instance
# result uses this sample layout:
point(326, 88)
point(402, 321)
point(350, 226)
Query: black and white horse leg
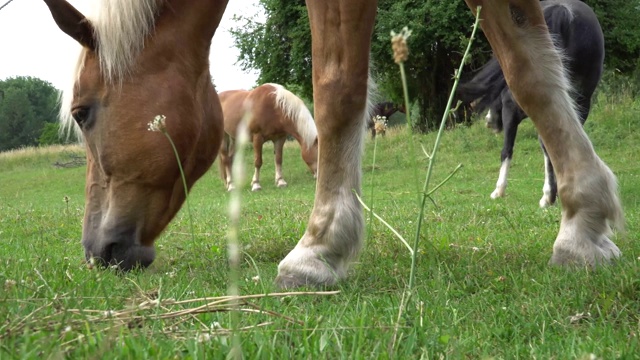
point(550, 187)
point(510, 128)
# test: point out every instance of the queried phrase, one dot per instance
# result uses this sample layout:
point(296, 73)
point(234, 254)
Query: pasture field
point(483, 289)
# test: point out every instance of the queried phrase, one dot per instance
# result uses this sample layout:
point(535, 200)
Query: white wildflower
point(204, 337)
point(158, 124)
point(8, 284)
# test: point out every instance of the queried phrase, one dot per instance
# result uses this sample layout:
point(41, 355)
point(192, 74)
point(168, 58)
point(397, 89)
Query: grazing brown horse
point(273, 113)
point(148, 57)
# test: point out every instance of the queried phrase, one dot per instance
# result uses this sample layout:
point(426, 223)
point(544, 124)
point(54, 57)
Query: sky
point(32, 45)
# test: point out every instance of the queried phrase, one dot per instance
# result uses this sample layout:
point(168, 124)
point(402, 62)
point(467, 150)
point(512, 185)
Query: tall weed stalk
point(426, 193)
point(238, 174)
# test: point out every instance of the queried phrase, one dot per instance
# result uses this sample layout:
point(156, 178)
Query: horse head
point(140, 59)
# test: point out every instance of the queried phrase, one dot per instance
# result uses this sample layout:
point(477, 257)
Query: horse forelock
point(121, 27)
point(295, 109)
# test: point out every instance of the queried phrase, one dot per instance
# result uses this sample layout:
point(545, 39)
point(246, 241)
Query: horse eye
point(80, 114)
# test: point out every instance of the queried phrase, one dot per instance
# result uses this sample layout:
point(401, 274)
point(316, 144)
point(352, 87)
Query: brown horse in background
point(273, 113)
point(148, 57)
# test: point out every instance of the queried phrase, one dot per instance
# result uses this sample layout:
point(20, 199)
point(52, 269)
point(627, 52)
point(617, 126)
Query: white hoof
point(230, 187)
point(497, 193)
point(281, 183)
point(256, 187)
point(545, 202)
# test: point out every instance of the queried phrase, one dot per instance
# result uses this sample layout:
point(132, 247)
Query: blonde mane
point(120, 30)
point(297, 112)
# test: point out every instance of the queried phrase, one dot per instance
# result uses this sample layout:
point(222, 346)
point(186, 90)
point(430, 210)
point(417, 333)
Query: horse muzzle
point(119, 248)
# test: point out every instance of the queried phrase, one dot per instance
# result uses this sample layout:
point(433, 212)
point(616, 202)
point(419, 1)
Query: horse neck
point(291, 128)
point(197, 18)
point(295, 117)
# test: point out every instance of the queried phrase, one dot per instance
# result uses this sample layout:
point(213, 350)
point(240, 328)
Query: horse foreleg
point(278, 147)
point(258, 142)
point(533, 69)
point(341, 36)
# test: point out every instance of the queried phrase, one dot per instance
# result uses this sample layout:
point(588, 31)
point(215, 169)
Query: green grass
point(483, 289)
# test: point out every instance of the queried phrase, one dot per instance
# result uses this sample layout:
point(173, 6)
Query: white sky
point(32, 45)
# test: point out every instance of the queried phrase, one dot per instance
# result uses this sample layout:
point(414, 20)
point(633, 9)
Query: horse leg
point(550, 187)
point(341, 37)
point(226, 159)
point(510, 127)
point(258, 141)
point(533, 69)
point(278, 148)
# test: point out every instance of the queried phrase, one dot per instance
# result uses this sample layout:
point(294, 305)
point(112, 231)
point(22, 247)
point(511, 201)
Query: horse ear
point(72, 22)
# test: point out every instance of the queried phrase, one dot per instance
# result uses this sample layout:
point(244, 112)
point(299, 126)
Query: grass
point(483, 287)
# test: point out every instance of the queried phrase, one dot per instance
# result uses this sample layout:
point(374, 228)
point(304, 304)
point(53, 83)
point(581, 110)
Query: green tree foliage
point(50, 134)
point(27, 105)
point(280, 48)
point(439, 36)
point(18, 125)
point(619, 21)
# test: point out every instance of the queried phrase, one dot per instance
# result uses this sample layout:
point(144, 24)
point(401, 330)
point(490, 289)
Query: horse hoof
point(578, 248)
point(286, 282)
point(304, 267)
point(256, 187)
point(497, 193)
point(230, 187)
point(281, 183)
point(545, 202)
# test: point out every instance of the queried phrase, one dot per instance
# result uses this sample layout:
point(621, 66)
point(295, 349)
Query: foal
point(273, 114)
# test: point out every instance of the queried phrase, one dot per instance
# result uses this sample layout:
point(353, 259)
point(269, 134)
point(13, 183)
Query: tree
point(280, 48)
point(439, 36)
point(619, 21)
point(26, 105)
point(18, 124)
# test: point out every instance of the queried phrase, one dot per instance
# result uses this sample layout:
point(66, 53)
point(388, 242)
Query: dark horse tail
point(485, 90)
